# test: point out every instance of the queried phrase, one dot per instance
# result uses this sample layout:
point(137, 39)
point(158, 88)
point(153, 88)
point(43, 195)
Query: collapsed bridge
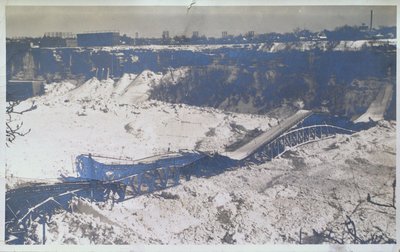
point(135, 177)
point(101, 178)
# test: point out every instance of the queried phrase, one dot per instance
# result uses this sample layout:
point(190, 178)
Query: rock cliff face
point(340, 77)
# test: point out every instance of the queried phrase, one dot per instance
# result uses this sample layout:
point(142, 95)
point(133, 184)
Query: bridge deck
point(268, 136)
point(378, 107)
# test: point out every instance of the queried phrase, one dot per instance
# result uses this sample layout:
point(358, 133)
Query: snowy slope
point(92, 89)
point(123, 83)
point(311, 188)
point(138, 89)
point(355, 45)
point(377, 109)
point(114, 119)
point(344, 46)
point(174, 76)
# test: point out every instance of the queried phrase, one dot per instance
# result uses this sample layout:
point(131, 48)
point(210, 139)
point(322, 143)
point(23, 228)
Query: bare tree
point(348, 233)
point(15, 129)
point(391, 204)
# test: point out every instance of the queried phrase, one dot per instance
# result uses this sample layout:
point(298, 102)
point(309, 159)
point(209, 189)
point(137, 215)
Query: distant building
point(250, 34)
point(58, 39)
point(52, 42)
point(59, 34)
point(18, 90)
point(71, 42)
point(136, 35)
point(195, 34)
point(322, 36)
point(165, 35)
point(364, 27)
point(33, 45)
point(98, 39)
point(224, 34)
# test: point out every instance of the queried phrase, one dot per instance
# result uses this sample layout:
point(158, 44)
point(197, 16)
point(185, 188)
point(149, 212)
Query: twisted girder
point(146, 177)
point(91, 169)
point(297, 137)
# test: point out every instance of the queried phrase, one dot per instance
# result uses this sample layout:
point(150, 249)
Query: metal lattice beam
point(297, 137)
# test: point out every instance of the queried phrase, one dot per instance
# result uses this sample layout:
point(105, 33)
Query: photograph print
point(203, 125)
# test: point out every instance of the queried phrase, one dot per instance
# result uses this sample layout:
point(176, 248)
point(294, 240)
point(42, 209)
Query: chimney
point(370, 21)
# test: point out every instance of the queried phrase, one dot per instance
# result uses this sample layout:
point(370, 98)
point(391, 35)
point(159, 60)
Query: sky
point(150, 21)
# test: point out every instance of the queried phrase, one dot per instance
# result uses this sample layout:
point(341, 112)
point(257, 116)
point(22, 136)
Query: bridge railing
point(252, 146)
point(294, 138)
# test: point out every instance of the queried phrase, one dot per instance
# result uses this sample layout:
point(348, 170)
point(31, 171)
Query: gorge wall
point(342, 78)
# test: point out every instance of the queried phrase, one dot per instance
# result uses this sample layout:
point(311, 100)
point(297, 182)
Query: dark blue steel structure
point(100, 181)
point(90, 169)
point(139, 176)
point(98, 39)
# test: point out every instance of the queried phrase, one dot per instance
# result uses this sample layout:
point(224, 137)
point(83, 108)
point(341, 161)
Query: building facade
point(98, 39)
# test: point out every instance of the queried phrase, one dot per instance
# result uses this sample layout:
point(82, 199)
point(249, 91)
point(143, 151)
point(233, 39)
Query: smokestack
point(370, 21)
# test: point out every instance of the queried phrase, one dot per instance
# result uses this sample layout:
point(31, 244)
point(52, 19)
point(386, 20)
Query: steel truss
point(297, 137)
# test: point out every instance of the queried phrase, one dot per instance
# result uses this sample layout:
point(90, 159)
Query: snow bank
point(123, 83)
point(324, 45)
point(174, 76)
point(271, 47)
point(106, 118)
point(139, 89)
point(309, 188)
point(93, 89)
point(378, 107)
point(312, 188)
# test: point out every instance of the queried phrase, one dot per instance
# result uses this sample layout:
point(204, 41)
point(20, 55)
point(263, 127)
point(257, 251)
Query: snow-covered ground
point(324, 45)
point(356, 45)
point(314, 187)
point(378, 107)
point(115, 119)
